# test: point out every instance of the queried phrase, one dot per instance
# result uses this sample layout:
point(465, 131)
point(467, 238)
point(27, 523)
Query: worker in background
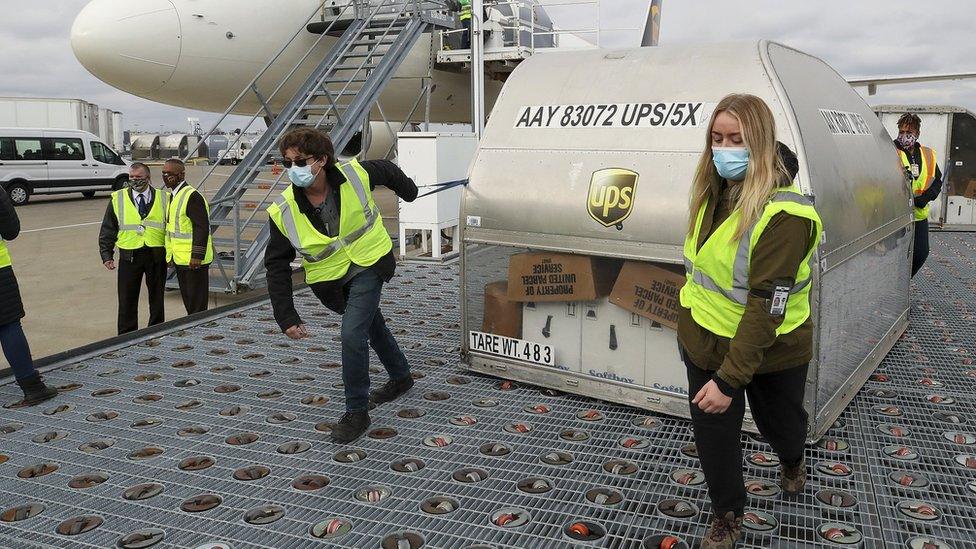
point(189, 246)
point(135, 222)
point(329, 217)
point(744, 324)
point(12, 338)
point(923, 171)
point(465, 17)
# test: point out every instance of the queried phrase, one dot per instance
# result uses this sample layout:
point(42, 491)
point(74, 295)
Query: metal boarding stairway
point(373, 38)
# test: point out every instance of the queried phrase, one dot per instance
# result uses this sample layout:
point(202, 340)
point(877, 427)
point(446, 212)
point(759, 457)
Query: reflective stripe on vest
point(134, 231)
point(465, 10)
point(722, 319)
point(362, 240)
point(179, 229)
point(926, 175)
point(4, 255)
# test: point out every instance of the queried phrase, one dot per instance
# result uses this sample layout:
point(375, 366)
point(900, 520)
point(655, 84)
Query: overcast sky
point(857, 37)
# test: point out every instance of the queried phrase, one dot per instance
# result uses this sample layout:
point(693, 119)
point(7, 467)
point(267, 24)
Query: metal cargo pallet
point(217, 427)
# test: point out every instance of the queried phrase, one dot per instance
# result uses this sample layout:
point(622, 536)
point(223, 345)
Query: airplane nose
point(131, 45)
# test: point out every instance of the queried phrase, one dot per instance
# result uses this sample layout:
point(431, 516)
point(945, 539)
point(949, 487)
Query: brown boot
point(793, 479)
point(723, 533)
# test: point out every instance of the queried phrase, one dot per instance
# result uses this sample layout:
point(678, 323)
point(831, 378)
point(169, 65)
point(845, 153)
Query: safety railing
point(525, 24)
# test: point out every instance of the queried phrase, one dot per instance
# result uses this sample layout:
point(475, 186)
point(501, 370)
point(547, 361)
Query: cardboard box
point(970, 189)
point(541, 277)
point(502, 316)
point(650, 290)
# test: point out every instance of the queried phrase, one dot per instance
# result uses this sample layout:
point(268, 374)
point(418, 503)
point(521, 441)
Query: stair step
point(229, 222)
point(355, 67)
point(229, 242)
point(377, 40)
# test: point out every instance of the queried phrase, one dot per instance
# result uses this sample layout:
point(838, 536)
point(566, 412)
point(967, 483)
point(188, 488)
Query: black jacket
point(11, 307)
point(109, 235)
point(280, 253)
point(930, 194)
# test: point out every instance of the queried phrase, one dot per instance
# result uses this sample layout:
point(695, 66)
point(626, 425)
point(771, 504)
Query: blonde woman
point(745, 326)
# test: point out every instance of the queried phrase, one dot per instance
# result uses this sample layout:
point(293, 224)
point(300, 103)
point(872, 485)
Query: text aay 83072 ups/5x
point(615, 115)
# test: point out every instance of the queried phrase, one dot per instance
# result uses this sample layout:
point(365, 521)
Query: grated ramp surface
point(241, 359)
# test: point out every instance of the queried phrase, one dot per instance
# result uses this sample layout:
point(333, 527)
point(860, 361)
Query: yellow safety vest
point(718, 274)
point(465, 10)
point(134, 231)
point(926, 174)
point(4, 255)
point(179, 229)
point(362, 238)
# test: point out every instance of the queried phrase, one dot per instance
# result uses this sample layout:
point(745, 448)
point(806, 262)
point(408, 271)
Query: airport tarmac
point(69, 296)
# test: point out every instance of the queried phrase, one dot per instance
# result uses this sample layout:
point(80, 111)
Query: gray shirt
point(329, 214)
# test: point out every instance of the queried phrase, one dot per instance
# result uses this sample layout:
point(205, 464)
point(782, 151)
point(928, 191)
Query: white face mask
point(302, 176)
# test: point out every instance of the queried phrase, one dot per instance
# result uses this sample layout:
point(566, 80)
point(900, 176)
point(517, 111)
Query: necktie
point(143, 210)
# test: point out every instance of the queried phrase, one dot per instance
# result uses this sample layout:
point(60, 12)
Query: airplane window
point(63, 149)
point(28, 148)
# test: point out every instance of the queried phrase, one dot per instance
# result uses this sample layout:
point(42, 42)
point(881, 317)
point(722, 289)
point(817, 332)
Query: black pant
point(776, 402)
point(921, 252)
point(133, 266)
point(466, 35)
point(194, 287)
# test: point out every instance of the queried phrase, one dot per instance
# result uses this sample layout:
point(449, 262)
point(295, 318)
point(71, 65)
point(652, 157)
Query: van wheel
point(88, 194)
point(19, 193)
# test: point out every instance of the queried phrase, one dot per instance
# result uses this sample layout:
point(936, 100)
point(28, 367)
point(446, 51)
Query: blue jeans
point(16, 350)
point(363, 326)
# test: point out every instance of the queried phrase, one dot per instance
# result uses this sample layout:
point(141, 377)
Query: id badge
point(915, 170)
point(781, 295)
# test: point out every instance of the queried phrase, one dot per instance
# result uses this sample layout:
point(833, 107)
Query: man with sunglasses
point(189, 246)
point(329, 217)
point(135, 222)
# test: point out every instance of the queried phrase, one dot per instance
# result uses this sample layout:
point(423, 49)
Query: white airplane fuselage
point(200, 54)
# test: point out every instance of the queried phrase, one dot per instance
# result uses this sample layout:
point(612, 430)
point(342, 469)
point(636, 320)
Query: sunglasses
point(301, 162)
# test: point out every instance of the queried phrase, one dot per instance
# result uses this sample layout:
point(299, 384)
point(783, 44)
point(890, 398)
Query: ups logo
point(611, 196)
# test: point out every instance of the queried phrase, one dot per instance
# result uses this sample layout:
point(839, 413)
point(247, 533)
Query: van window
point(102, 153)
point(27, 148)
point(63, 148)
point(7, 150)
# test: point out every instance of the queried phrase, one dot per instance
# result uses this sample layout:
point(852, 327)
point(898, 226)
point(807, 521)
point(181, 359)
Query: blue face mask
point(301, 176)
point(731, 162)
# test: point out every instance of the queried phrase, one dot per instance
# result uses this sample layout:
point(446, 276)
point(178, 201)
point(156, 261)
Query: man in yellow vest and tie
point(189, 246)
point(135, 222)
point(923, 171)
point(329, 218)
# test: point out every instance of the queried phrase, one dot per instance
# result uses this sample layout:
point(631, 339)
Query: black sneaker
point(351, 426)
point(391, 390)
point(35, 390)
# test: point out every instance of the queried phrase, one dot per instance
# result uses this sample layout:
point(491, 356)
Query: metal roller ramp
point(214, 434)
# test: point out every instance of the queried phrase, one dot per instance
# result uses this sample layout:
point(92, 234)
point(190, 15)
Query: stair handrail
point(253, 83)
point(383, 3)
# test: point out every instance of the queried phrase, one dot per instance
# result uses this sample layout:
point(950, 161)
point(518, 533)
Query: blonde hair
point(765, 171)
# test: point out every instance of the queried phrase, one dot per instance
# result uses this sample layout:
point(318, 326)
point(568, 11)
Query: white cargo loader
point(591, 154)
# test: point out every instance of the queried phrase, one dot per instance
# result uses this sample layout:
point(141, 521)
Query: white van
point(50, 161)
